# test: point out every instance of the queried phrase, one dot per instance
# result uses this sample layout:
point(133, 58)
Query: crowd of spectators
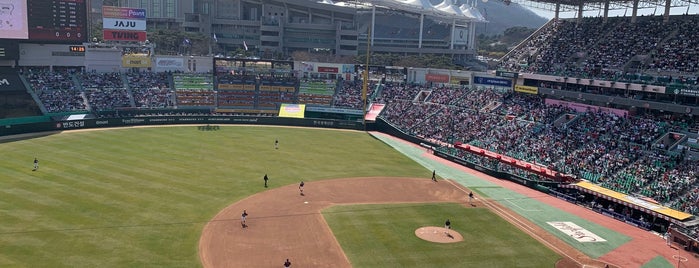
point(349, 94)
point(600, 147)
point(151, 90)
point(56, 90)
point(94, 80)
point(595, 48)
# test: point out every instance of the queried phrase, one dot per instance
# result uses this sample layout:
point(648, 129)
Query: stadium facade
point(341, 28)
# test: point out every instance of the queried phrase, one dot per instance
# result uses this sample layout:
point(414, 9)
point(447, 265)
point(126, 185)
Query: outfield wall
point(12, 129)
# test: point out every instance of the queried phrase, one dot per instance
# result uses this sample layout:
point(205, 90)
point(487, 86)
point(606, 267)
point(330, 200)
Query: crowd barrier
point(13, 129)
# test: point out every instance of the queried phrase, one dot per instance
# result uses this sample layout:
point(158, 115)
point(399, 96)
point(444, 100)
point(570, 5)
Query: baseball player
point(287, 263)
point(301, 187)
point(243, 217)
point(36, 164)
point(434, 175)
point(470, 198)
point(265, 178)
point(276, 144)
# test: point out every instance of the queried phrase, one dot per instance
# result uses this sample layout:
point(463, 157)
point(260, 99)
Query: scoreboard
point(57, 21)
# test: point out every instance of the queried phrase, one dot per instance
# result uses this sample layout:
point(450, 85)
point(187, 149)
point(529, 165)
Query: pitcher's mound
point(438, 234)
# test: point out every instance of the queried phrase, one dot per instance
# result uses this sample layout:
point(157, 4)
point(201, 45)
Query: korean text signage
point(124, 23)
point(506, 74)
point(492, 81)
point(527, 89)
point(687, 92)
point(437, 78)
point(327, 69)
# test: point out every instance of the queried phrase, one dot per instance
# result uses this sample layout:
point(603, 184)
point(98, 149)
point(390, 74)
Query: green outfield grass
point(140, 197)
point(384, 236)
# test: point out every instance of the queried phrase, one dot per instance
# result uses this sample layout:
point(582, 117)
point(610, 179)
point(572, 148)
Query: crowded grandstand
point(609, 101)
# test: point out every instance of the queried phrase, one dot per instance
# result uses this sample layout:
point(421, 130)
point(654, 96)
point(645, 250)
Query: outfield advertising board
point(124, 24)
point(135, 61)
point(124, 35)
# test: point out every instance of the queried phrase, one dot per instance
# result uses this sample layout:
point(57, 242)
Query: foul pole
point(365, 75)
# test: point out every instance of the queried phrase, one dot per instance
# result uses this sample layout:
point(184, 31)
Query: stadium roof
point(568, 5)
point(446, 9)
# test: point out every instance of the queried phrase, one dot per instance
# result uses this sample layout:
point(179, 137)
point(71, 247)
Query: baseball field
point(142, 197)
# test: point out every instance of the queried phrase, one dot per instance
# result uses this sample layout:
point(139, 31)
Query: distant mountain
point(501, 16)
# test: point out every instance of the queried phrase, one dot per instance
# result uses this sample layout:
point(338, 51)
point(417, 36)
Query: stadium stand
point(56, 90)
point(151, 90)
point(318, 92)
point(194, 89)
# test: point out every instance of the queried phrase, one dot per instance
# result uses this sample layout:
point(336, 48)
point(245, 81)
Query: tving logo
point(4, 82)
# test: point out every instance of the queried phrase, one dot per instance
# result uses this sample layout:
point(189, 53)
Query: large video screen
point(13, 19)
point(57, 21)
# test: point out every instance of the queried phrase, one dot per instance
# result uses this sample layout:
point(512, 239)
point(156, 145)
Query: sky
point(693, 9)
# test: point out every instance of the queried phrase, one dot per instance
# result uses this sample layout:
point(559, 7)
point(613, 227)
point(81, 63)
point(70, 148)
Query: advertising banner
point(124, 35)
point(124, 24)
point(506, 74)
point(135, 61)
point(123, 12)
point(169, 62)
point(438, 78)
point(582, 108)
point(292, 110)
point(327, 69)
point(527, 89)
point(492, 81)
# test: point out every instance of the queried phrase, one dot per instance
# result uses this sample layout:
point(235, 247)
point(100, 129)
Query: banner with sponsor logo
point(124, 24)
point(322, 69)
point(506, 74)
point(437, 78)
point(135, 61)
point(169, 62)
point(459, 80)
point(578, 233)
point(123, 12)
point(292, 110)
point(581, 107)
point(492, 81)
point(124, 35)
point(527, 89)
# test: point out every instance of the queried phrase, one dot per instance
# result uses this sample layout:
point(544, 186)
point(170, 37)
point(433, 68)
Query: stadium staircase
point(523, 43)
point(79, 86)
point(127, 87)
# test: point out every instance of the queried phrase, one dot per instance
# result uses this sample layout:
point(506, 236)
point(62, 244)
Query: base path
point(283, 224)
